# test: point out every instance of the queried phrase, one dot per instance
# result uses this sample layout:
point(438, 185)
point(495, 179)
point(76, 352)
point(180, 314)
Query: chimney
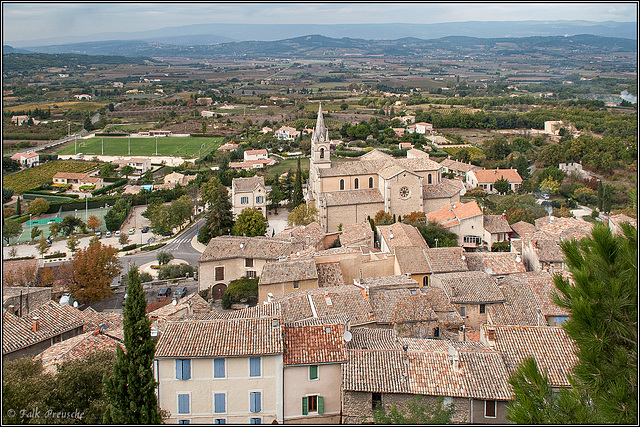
point(11, 309)
point(34, 324)
point(504, 214)
point(390, 234)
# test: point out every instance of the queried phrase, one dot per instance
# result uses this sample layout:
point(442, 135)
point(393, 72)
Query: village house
point(248, 193)
point(139, 165)
point(485, 179)
point(256, 155)
point(287, 133)
point(350, 192)
point(468, 375)
point(283, 277)
point(359, 234)
point(424, 128)
point(496, 229)
point(228, 147)
point(78, 180)
point(420, 263)
point(22, 300)
point(221, 371)
point(266, 129)
point(575, 169)
point(27, 159)
point(399, 234)
point(312, 235)
point(407, 119)
point(459, 169)
point(206, 113)
point(83, 96)
point(495, 263)
point(313, 355)
point(464, 219)
point(176, 178)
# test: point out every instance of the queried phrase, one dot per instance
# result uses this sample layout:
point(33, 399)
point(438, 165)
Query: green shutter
point(313, 372)
point(304, 406)
point(320, 405)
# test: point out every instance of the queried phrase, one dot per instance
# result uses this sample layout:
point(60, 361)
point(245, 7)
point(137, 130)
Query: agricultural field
point(58, 107)
point(166, 146)
point(36, 176)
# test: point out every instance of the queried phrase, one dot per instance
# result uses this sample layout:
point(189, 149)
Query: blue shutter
point(186, 369)
point(183, 403)
point(254, 367)
point(254, 402)
point(220, 421)
point(218, 368)
point(179, 369)
point(255, 421)
point(219, 403)
point(183, 422)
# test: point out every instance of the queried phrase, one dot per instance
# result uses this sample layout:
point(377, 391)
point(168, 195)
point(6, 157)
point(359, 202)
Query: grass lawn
point(287, 164)
point(167, 146)
point(33, 177)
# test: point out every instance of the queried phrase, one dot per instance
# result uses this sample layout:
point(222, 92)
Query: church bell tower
point(320, 154)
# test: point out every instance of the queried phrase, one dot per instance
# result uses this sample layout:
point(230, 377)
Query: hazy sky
point(31, 20)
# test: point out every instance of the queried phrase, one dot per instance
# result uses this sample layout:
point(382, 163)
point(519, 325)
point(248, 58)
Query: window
point(448, 401)
point(425, 281)
point(248, 262)
point(183, 422)
point(254, 401)
point(463, 311)
point(219, 273)
point(219, 406)
point(218, 368)
point(472, 239)
point(322, 153)
point(255, 420)
point(251, 274)
point(490, 408)
point(404, 192)
point(429, 179)
point(259, 199)
point(220, 421)
point(183, 369)
point(313, 372)
point(376, 400)
point(483, 308)
point(183, 403)
point(296, 284)
point(370, 182)
point(342, 184)
point(254, 366)
point(356, 183)
point(244, 200)
point(436, 332)
point(312, 404)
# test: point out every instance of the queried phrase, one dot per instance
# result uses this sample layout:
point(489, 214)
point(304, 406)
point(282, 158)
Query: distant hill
point(317, 46)
point(6, 49)
point(196, 33)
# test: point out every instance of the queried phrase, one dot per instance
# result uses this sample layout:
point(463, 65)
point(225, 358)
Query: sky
point(33, 20)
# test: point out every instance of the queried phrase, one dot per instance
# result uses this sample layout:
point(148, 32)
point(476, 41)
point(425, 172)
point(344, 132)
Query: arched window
point(429, 179)
point(356, 183)
point(425, 281)
point(370, 182)
point(342, 184)
point(322, 153)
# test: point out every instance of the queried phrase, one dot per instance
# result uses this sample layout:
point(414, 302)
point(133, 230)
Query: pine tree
point(131, 391)
point(297, 198)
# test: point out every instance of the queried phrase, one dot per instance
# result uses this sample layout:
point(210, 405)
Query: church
point(349, 192)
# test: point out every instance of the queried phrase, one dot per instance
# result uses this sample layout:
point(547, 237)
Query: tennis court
point(43, 223)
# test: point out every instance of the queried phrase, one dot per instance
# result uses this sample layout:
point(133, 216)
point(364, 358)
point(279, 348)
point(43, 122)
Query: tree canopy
point(250, 223)
point(303, 214)
point(94, 268)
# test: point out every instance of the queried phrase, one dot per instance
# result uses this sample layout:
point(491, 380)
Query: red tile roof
point(489, 176)
point(451, 214)
point(314, 344)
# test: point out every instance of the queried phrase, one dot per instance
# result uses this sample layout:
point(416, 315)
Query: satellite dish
point(347, 336)
point(75, 304)
point(489, 270)
point(174, 302)
point(463, 257)
point(452, 351)
point(518, 258)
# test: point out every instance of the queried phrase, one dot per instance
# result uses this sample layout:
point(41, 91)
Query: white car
point(117, 233)
point(108, 234)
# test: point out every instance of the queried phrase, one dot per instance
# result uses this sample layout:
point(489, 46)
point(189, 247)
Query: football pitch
point(122, 146)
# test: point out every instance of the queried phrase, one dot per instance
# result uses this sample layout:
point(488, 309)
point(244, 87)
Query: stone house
point(399, 234)
point(359, 234)
point(78, 180)
point(468, 375)
point(139, 164)
point(495, 263)
point(174, 178)
point(22, 300)
point(471, 292)
point(287, 133)
point(421, 263)
point(459, 169)
point(496, 229)
point(248, 193)
point(424, 128)
point(313, 355)
point(464, 219)
point(282, 277)
point(221, 371)
point(485, 178)
point(228, 258)
point(27, 159)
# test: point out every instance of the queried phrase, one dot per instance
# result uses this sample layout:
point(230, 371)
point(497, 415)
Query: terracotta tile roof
point(469, 287)
point(486, 176)
point(54, 320)
point(374, 162)
point(313, 233)
point(375, 371)
point(412, 260)
point(496, 224)
point(403, 235)
point(70, 175)
point(559, 226)
point(415, 153)
point(373, 339)
point(229, 247)
point(247, 185)
point(329, 274)
point(444, 190)
point(356, 234)
point(446, 260)
point(495, 263)
point(93, 320)
point(458, 166)
point(320, 321)
point(400, 305)
point(188, 305)
point(78, 347)
point(522, 227)
point(546, 247)
point(388, 282)
point(519, 307)
point(288, 271)
point(346, 300)
point(541, 283)
point(254, 152)
point(314, 344)
point(352, 197)
point(451, 214)
point(258, 311)
point(220, 338)
point(550, 346)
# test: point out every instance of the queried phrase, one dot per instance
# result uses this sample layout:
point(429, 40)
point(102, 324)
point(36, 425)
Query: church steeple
point(320, 133)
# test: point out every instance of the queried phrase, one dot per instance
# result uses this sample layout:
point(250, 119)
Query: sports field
point(122, 146)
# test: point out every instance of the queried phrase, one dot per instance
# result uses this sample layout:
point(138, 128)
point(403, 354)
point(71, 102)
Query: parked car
point(180, 292)
point(108, 234)
point(164, 292)
point(145, 229)
point(98, 234)
point(117, 233)
point(132, 230)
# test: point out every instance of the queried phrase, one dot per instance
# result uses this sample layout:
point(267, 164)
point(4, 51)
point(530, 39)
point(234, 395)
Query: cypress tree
point(131, 391)
point(297, 198)
point(18, 207)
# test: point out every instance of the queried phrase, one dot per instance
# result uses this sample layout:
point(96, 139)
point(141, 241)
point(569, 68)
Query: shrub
point(56, 255)
point(128, 247)
point(242, 288)
point(145, 277)
point(175, 271)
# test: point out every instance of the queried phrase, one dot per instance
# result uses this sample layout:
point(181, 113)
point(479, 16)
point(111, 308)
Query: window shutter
point(313, 372)
point(258, 408)
point(179, 369)
point(183, 403)
point(320, 405)
point(254, 367)
point(186, 369)
point(218, 368)
point(219, 403)
point(304, 406)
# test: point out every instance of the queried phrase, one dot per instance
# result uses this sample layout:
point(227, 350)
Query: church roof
point(353, 197)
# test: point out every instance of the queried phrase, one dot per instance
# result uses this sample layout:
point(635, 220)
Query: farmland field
point(33, 177)
point(167, 146)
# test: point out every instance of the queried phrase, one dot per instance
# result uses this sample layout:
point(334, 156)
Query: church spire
point(320, 133)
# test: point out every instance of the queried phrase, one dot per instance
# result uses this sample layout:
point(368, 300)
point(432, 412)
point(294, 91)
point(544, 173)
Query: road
point(50, 144)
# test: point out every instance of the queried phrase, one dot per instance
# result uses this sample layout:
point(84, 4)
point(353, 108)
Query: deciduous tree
point(303, 214)
point(35, 232)
point(38, 206)
point(94, 222)
point(94, 268)
point(69, 224)
point(126, 170)
point(11, 229)
point(164, 257)
point(43, 246)
point(251, 222)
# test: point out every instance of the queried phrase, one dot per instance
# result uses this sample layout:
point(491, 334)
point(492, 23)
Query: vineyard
point(36, 176)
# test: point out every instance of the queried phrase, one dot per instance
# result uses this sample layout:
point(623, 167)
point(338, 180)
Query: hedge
point(91, 202)
point(56, 255)
point(129, 247)
point(112, 134)
point(20, 258)
point(110, 187)
point(349, 153)
point(49, 197)
point(152, 247)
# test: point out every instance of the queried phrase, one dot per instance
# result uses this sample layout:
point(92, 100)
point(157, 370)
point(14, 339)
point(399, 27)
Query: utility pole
point(69, 129)
point(156, 145)
point(103, 145)
point(129, 144)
